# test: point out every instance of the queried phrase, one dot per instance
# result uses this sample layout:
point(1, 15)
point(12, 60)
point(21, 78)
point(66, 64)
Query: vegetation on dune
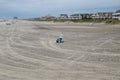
point(87, 20)
point(107, 21)
point(111, 21)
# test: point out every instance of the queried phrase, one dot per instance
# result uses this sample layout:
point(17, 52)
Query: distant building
point(86, 16)
point(63, 16)
point(76, 16)
point(102, 15)
point(15, 17)
point(116, 15)
point(48, 17)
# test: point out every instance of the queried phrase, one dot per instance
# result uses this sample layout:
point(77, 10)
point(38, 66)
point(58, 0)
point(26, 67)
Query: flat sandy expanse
point(28, 51)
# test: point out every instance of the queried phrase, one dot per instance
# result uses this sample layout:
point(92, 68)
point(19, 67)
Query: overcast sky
point(37, 8)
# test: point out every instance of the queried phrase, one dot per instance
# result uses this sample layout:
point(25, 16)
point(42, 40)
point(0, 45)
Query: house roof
point(75, 15)
point(118, 11)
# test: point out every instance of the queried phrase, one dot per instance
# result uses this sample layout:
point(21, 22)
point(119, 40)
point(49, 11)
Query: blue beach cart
point(60, 39)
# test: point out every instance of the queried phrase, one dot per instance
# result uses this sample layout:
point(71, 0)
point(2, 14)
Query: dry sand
point(28, 51)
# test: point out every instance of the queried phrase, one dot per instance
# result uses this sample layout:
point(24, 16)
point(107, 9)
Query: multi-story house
point(76, 16)
point(63, 16)
point(116, 15)
point(102, 15)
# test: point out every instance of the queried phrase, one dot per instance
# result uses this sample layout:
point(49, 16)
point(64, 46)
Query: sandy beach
point(28, 51)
